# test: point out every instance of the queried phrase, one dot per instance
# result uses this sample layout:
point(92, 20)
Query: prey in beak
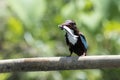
point(69, 31)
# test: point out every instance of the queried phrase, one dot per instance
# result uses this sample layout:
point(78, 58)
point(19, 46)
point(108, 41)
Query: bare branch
point(59, 63)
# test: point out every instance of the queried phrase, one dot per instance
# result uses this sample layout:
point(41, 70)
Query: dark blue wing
point(84, 41)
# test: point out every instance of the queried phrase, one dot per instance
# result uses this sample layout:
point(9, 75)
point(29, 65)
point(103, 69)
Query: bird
point(74, 38)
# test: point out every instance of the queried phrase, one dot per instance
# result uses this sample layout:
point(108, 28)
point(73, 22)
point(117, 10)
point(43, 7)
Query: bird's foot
point(84, 54)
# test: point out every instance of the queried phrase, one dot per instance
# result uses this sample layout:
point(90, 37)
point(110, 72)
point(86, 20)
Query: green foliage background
point(28, 28)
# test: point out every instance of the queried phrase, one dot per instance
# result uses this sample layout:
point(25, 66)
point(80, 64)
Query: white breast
point(72, 38)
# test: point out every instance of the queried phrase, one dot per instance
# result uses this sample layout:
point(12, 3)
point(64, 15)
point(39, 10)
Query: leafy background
point(28, 28)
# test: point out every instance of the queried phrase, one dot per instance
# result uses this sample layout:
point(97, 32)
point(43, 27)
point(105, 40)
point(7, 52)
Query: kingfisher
point(75, 40)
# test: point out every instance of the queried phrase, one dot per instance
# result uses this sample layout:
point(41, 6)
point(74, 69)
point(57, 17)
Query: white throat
point(71, 37)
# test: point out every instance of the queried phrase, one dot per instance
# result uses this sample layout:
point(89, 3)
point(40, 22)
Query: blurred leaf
point(15, 26)
point(91, 20)
point(68, 10)
point(29, 12)
point(3, 10)
point(112, 29)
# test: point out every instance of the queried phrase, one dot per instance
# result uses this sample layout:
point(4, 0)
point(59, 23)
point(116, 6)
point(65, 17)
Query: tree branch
point(59, 63)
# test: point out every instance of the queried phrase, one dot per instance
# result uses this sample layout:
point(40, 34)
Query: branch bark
point(59, 63)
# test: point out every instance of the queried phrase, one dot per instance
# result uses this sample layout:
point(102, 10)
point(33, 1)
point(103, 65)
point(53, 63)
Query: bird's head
point(69, 26)
point(68, 23)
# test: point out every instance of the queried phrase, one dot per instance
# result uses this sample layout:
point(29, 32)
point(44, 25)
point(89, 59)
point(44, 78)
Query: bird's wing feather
point(84, 41)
